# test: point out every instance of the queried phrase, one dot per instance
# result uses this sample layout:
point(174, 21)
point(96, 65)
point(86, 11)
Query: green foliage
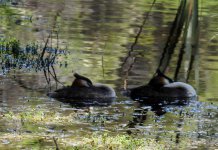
point(13, 55)
point(10, 47)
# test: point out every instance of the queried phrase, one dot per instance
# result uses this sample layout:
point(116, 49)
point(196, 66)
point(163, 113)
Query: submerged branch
point(137, 36)
point(130, 60)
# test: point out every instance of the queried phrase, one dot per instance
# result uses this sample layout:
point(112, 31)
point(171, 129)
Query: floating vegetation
point(39, 128)
point(104, 141)
point(93, 141)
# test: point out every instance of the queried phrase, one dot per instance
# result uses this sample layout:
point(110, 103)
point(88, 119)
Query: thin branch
point(138, 34)
point(54, 76)
point(56, 144)
point(45, 46)
point(129, 56)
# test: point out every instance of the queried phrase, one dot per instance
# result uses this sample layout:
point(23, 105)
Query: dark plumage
point(83, 88)
point(161, 86)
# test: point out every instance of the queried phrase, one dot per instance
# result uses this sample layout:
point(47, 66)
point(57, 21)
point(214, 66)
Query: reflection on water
point(98, 36)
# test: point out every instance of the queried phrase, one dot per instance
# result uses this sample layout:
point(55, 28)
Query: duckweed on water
point(39, 116)
point(118, 142)
point(30, 129)
point(40, 128)
point(91, 142)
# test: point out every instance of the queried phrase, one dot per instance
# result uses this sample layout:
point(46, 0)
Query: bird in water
point(161, 86)
point(83, 88)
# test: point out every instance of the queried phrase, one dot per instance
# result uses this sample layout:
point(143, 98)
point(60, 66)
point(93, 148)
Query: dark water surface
point(97, 36)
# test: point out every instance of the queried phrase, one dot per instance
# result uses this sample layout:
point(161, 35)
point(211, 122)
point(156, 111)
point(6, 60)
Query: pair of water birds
point(160, 86)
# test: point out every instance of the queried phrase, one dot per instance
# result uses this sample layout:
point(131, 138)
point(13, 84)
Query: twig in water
point(138, 35)
point(44, 48)
point(56, 144)
point(130, 60)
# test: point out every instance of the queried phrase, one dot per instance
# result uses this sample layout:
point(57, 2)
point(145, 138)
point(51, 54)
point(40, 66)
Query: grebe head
point(81, 81)
point(160, 80)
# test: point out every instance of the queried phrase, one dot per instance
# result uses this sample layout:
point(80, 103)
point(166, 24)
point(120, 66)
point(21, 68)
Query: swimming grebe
point(83, 88)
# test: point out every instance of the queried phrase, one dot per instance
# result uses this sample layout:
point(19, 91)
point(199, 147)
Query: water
point(97, 36)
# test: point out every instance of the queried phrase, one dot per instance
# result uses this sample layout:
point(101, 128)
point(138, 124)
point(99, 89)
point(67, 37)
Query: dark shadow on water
point(88, 102)
point(165, 101)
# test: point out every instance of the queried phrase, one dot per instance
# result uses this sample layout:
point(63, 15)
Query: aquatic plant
point(32, 56)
